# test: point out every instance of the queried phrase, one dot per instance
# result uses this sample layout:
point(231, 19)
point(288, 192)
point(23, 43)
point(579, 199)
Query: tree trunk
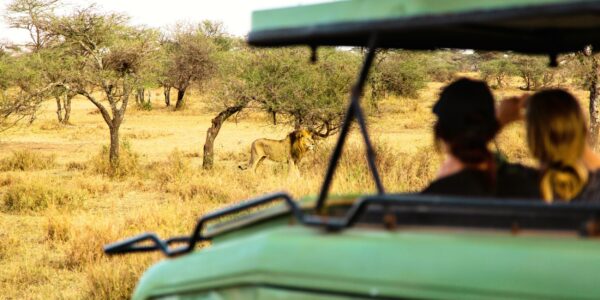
point(594, 104)
point(180, 99)
point(59, 113)
point(114, 147)
point(67, 108)
point(139, 96)
point(167, 92)
point(212, 132)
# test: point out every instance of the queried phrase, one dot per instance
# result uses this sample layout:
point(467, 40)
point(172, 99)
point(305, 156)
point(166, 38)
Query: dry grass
point(25, 160)
point(59, 204)
point(128, 164)
point(36, 196)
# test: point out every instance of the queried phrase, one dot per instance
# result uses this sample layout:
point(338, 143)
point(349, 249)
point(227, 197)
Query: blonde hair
point(556, 135)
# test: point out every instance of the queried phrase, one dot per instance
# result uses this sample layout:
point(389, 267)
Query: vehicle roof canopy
point(529, 26)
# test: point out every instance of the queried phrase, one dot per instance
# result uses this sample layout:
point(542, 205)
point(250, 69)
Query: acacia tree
point(229, 96)
point(397, 73)
point(36, 17)
point(26, 89)
point(189, 60)
point(282, 83)
point(110, 58)
point(161, 68)
point(499, 70)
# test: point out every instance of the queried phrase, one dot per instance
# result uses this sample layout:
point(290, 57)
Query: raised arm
point(511, 109)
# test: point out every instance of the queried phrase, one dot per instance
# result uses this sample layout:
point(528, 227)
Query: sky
point(235, 14)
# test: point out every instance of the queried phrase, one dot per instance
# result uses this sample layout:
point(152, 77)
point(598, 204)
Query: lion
point(289, 150)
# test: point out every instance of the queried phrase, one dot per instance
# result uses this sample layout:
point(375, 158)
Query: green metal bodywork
point(531, 26)
point(368, 11)
point(299, 262)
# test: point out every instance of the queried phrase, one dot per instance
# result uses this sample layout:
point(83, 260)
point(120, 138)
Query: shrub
point(175, 169)
point(127, 165)
point(35, 196)
point(439, 66)
point(534, 72)
point(57, 227)
point(27, 161)
point(397, 74)
point(498, 70)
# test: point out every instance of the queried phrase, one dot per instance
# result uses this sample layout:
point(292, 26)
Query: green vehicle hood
point(534, 26)
point(392, 264)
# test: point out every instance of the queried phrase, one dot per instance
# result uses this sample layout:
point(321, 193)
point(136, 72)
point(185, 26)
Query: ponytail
point(556, 135)
point(564, 182)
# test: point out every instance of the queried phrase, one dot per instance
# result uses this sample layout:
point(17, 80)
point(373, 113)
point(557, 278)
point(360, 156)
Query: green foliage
point(283, 82)
point(188, 55)
point(441, 66)
point(533, 71)
point(21, 88)
point(27, 161)
point(398, 73)
point(145, 105)
point(580, 68)
point(498, 70)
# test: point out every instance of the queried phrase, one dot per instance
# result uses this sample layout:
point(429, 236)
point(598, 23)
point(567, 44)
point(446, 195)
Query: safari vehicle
point(393, 246)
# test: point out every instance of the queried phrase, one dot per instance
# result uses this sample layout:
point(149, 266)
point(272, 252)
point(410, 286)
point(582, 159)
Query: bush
point(499, 70)
point(145, 105)
point(439, 66)
point(25, 160)
point(397, 74)
point(36, 196)
point(127, 165)
point(534, 72)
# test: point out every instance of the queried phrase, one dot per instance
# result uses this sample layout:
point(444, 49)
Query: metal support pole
point(354, 111)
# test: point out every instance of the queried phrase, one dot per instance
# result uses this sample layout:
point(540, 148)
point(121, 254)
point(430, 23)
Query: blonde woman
point(557, 138)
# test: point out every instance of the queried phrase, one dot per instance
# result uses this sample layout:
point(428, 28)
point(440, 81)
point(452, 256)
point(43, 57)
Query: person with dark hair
point(466, 124)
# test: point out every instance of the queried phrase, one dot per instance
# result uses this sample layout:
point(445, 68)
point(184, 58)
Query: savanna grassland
point(58, 207)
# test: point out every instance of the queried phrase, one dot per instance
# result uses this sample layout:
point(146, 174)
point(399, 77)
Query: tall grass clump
point(176, 176)
point(399, 171)
point(128, 164)
point(114, 278)
point(39, 196)
point(25, 160)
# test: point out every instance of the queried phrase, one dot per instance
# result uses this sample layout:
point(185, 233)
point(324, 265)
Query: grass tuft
point(128, 164)
point(26, 160)
point(38, 196)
